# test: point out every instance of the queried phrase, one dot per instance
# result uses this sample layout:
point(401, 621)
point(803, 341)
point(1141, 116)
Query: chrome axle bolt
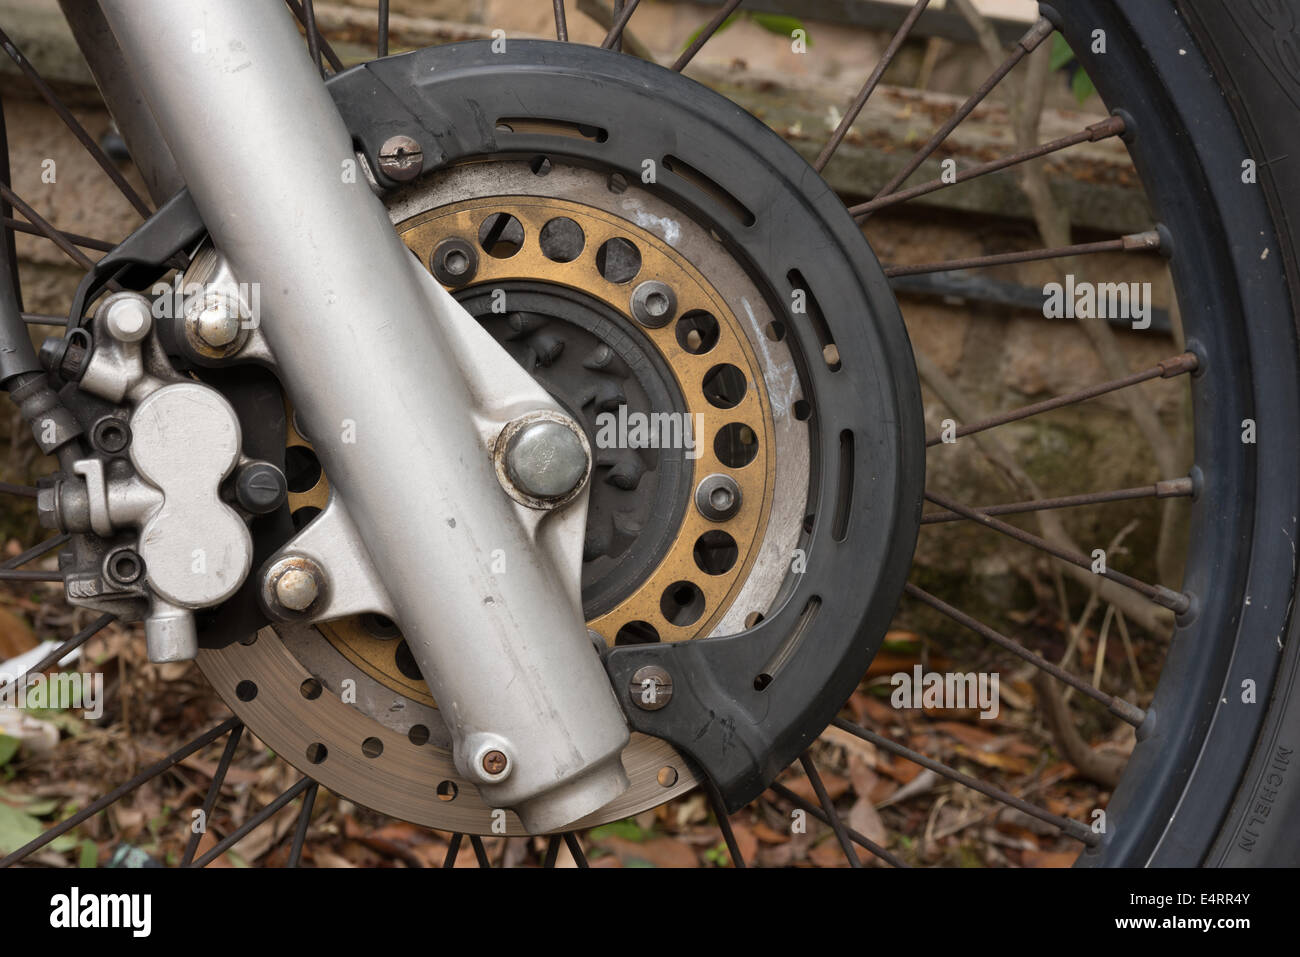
point(542, 459)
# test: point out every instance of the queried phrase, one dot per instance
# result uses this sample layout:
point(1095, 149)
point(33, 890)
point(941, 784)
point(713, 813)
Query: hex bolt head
point(292, 586)
point(718, 497)
point(296, 589)
point(454, 262)
point(401, 158)
point(651, 688)
point(217, 322)
point(494, 763)
point(261, 487)
point(127, 317)
point(653, 304)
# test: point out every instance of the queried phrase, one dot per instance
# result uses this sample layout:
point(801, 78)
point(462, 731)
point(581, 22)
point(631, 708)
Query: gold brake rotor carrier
point(411, 775)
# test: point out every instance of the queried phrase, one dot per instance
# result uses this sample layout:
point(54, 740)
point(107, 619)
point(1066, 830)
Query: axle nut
point(542, 459)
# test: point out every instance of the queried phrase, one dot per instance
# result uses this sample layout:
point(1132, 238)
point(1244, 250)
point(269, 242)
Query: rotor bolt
point(494, 763)
point(718, 497)
point(651, 688)
point(454, 262)
point(401, 158)
point(653, 304)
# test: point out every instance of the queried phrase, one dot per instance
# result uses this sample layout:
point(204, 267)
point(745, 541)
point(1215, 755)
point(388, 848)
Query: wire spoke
point(313, 35)
point(453, 850)
point(254, 822)
point(561, 23)
point(1168, 488)
point(1034, 36)
point(1114, 126)
point(869, 87)
point(155, 769)
point(1165, 369)
point(1176, 602)
point(71, 122)
point(48, 231)
point(824, 798)
point(480, 852)
point(86, 242)
point(621, 18)
point(64, 649)
point(709, 29)
point(36, 551)
point(40, 319)
point(330, 56)
point(1067, 826)
point(25, 575)
point(724, 823)
point(1135, 242)
point(382, 43)
point(214, 791)
point(304, 820)
point(859, 838)
point(552, 851)
point(571, 842)
point(1124, 710)
point(26, 491)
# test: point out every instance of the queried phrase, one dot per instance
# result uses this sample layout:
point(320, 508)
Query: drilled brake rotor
point(638, 323)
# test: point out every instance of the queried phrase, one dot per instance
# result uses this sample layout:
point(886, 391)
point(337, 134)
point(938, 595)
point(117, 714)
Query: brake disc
point(634, 300)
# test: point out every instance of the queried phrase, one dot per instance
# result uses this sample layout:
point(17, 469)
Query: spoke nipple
point(1139, 241)
point(1175, 601)
point(1175, 488)
point(1187, 362)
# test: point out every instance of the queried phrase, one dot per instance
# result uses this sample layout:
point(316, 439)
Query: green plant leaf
point(696, 35)
point(780, 24)
point(17, 828)
point(1061, 52)
point(87, 854)
point(627, 829)
point(1081, 86)
point(8, 748)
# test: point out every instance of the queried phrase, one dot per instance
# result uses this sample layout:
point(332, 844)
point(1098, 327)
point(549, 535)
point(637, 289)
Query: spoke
point(615, 34)
point(710, 28)
point(561, 34)
point(24, 575)
point(382, 47)
point(254, 822)
point(1176, 602)
point(869, 87)
point(571, 841)
point(36, 551)
point(824, 798)
point(861, 839)
point(64, 649)
point(26, 491)
point(1114, 126)
point(313, 35)
point(214, 791)
point(45, 229)
point(1036, 34)
point(724, 823)
point(74, 126)
point(86, 242)
point(1124, 710)
point(1168, 488)
point(331, 57)
point(1165, 369)
point(40, 319)
point(453, 850)
point(304, 820)
point(480, 852)
point(1069, 827)
point(117, 793)
point(552, 847)
point(1135, 242)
